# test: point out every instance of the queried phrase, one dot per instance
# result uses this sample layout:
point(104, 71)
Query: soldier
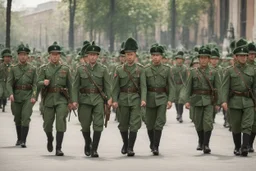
point(129, 95)
point(4, 69)
point(200, 92)
point(250, 61)
point(21, 86)
point(55, 81)
point(179, 74)
point(92, 81)
point(160, 95)
point(238, 92)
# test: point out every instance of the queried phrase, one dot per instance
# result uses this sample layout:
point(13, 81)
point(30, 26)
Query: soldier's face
point(92, 58)
point(156, 59)
point(130, 57)
point(203, 61)
point(7, 59)
point(241, 59)
point(23, 57)
point(251, 56)
point(214, 61)
point(55, 57)
point(179, 61)
point(122, 59)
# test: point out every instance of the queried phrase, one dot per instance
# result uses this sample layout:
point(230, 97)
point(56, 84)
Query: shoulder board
point(166, 65)
point(104, 66)
point(147, 66)
point(119, 66)
point(14, 65)
point(65, 65)
point(139, 64)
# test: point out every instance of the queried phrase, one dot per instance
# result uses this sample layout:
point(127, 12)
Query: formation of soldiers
point(138, 88)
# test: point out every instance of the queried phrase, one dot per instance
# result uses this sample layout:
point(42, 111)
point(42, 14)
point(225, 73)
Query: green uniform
point(55, 104)
point(198, 94)
point(91, 104)
point(21, 84)
point(4, 70)
point(127, 96)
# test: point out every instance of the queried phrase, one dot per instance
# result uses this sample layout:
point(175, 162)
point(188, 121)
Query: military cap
point(156, 49)
point(241, 47)
point(251, 47)
point(93, 49)
point(54, 48)
point(204, 51)
point(229, 56)
point(232, 45)
point(22, 48)
point(121, 51)
point(179, 54)
point(130, 45)
point(6, 52)
point(215, 53)
point(86, 42)
point(83, 51)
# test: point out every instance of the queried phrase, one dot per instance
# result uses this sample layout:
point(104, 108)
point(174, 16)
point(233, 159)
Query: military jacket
point(122, 81)
point(233, 82)
point(60, 77)
point(159, 77)
point(99, 74)
point(22, 75)
point(196, 81)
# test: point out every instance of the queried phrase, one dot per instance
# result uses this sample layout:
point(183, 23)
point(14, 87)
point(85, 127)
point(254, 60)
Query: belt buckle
point(55, 89)
point(23, 87)
point(128, 90)
point(91, 91)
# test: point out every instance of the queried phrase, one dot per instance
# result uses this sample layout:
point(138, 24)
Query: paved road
point(177, 149)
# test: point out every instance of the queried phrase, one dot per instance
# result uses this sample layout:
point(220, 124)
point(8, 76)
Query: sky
point(19, 4)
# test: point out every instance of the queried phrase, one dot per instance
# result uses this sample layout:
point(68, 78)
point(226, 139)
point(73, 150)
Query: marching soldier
point(21, 86)
point(4, 70)
point(55, 81)
point(238, 92)
point(179, 73)
point(129, 95)
point(160, 95)
point(92, 83)
point(200, 92)
point(251, 57)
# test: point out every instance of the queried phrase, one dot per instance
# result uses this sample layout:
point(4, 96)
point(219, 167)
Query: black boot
point(18, 131)
point(252, 137)
point(59, 139)
point(237, 142)
point(49, 141)
point(244, 148)
point(24, 134)
point(200, 140)
point(4, 104)
point(125, 142)
point(88, 142)
point(180, 119)
point(207, 136)
point(157, 138)
point(151, 139)
point(131, 142)
point(95, 143)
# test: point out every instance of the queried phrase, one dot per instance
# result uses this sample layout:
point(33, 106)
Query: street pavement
point(177, 148)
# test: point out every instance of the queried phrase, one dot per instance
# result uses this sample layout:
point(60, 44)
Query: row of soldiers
point(131, 88)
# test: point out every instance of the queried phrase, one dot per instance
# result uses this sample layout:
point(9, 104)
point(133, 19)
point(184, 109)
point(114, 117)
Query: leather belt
point(54, 90)
point(23, 87)
point(89, 91)
point(243, 94)
point(157, 89)
point(202, 92)
point(129, 90)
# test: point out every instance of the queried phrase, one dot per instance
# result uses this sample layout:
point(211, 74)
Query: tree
point(8, 24)
point(72, 13)
point(111, 27)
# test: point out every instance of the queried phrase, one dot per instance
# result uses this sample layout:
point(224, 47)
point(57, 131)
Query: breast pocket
point(196, 82)
point(235, 80)
point(150, 78)
point(62, 79)
point(123, 79)
point(98, 78)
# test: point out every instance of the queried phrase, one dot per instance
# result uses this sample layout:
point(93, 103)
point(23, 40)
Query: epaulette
point(14, 65)
point(139, 64)
point(104, 66)
point(119, 66)
point(148, 65)
point(167, 65)
point(65, 66)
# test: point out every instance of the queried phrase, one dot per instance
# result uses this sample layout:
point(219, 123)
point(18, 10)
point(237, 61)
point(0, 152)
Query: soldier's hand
point(225, 106)
point(33, 100)
point(169, 105)
point(12, 98)
point(75, 105)
point(110, 102)
point(46, 82)
point(115, 105)
point(187, 105)
point(70, 106)
point(143, 104)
